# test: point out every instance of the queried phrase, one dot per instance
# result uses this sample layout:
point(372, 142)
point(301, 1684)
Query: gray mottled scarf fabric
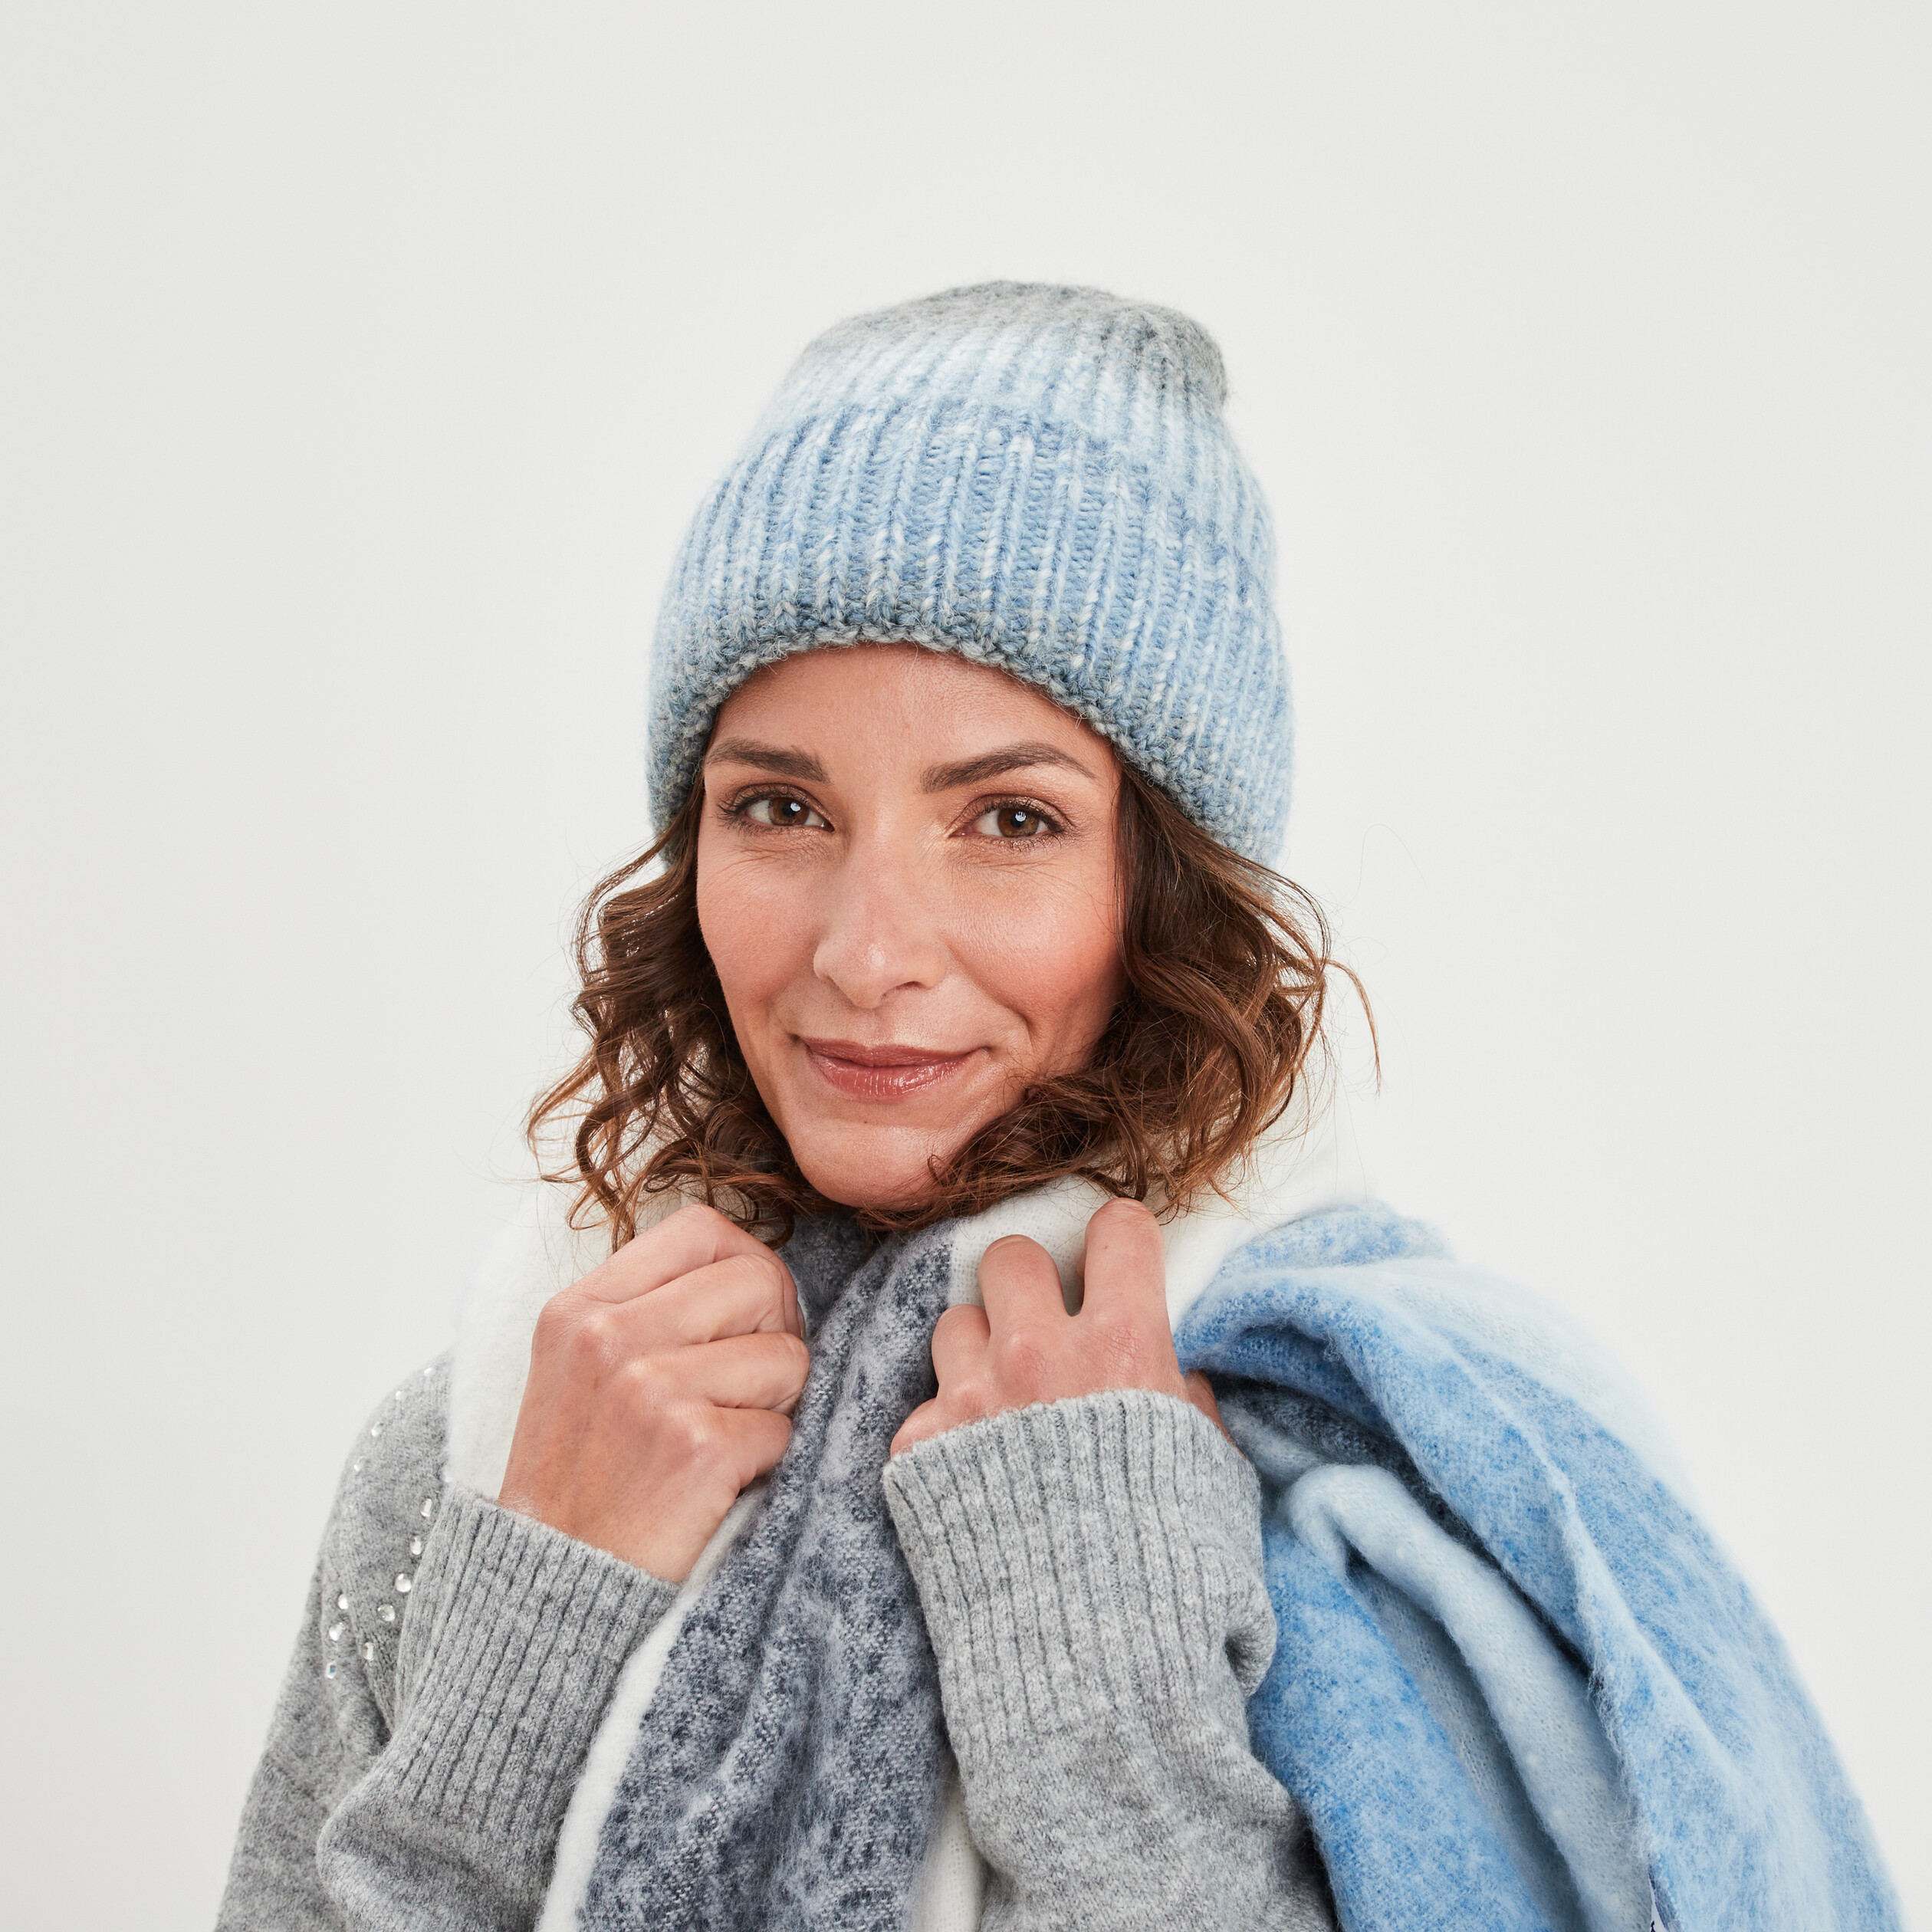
point(788, 1769)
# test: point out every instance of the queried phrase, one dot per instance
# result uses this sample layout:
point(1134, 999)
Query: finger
point(1125, 1267)
point(927, 1420)
point(753, 1440)
point(745, 1294)
point(1202, 1396)
point(960, 1340)
point(693, 1237)
point(742, 1371)
point(1020, 1285)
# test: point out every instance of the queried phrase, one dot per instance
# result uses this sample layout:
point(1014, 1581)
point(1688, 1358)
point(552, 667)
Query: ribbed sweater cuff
point(1081, 1557)
point(514, 1638)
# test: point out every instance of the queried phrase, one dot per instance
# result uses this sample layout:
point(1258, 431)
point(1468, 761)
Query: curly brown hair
point(1225, 965)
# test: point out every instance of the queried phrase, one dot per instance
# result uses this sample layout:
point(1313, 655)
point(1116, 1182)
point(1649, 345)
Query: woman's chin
point(879, 1168)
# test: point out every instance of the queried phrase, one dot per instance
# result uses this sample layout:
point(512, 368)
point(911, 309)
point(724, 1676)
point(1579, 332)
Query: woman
point(814, 1524)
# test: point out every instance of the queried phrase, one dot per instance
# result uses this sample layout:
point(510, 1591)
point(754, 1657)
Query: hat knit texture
point(1037, 477)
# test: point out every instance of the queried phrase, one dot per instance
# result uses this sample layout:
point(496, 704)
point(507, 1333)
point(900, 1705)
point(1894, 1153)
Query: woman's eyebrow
point(770, 757)
point(990, 764)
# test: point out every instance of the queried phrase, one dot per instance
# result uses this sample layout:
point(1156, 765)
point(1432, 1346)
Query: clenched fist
point(659, 1386)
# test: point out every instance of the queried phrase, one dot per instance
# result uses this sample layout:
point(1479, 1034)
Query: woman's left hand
point(1023, 1347)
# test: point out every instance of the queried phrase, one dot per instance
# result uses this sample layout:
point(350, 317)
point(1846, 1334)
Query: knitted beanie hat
point(1036, 478)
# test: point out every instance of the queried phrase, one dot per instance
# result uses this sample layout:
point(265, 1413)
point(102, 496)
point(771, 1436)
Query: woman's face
point(906, 879)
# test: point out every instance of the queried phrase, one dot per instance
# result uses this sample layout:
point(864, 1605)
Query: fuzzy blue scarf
point(1517, 1687)
point(1337, 1336)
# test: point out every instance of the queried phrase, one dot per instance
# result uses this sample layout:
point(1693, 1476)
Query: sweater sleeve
point(1090, 1572)
point(451, 1669)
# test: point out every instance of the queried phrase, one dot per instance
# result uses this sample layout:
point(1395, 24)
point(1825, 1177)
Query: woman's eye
point(781, 812)
point(1011, 822)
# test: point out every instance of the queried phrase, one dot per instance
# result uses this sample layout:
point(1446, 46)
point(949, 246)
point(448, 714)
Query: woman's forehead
point(901, 704)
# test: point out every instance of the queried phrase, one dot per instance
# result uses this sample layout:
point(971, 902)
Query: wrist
point(1090, 1557)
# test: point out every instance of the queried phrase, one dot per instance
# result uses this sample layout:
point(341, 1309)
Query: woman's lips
point(880, 1073)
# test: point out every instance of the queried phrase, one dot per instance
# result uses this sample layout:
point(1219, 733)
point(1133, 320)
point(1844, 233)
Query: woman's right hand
point(659, 1386)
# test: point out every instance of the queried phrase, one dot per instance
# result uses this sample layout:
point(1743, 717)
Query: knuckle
point(593, 1345)
point(696, 1436)
point(644, 1384)
point(695, 1213)
point(762, 1272)
point(708, 1222)
point(1024, 1364)
point(581, 1333)
point(958, 1324)
point(970, 1397)
point(556, 1319)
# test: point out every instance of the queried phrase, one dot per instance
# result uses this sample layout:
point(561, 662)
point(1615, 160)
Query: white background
point(361, 365)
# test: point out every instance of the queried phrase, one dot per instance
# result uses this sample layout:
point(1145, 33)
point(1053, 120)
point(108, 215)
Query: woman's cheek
point(751, 929)
point(1052, 955)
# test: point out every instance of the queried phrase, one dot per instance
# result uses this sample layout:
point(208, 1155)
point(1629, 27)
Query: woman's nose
point(879, 935)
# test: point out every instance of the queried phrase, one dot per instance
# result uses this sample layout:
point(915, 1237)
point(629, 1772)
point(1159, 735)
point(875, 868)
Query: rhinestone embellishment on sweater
point(387, 1612)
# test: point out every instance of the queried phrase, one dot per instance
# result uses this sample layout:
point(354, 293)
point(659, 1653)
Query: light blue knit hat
point(1036, 478)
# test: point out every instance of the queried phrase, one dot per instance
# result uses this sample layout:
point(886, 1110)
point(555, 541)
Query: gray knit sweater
point(454, 1660)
